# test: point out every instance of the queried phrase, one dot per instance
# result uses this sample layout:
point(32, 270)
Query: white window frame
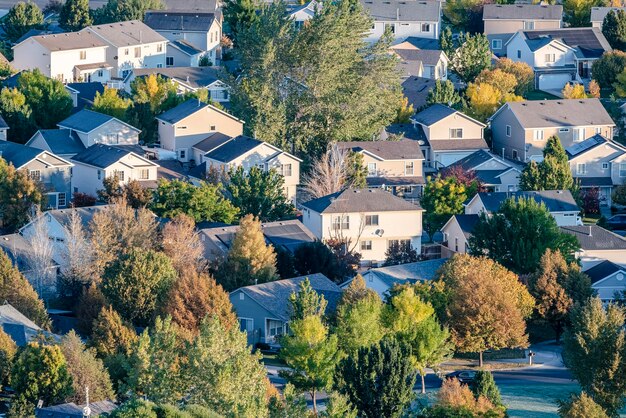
point(508, 130)
point(581, 169)
point(34, 175)
point(285, 170)
point(456, 133)
point(409, 168)
point(579, 134)
point(61, 197)
point(83, 55)
point(248, 321)
point(622, 169)
point(425, 25)
point(366, 245)
point(549, 58)
point(496, 44)
point(372, 169)
point(390, 25)
point(605, 166)
point(529, 25)
point(120, 175)
point(339, 222)
point(169, 61)
point(371, 220)
point(268, 328)
point(137, 52)
point(144, 174)
point(538, 135)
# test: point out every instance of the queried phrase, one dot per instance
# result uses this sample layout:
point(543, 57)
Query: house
point(434, 63)
point(558, 56)
point(457, 232)
point(416, 90)
point(62, 142)
point(599, 163)
point(417, 18)
point(221, 154)
point(282, 235)
point(131, 44)
point(19, 250)
point(190, 30)
point(501, 21)
point(191, 122)
point(560, 204)
point(83, 94)
point(599, 13)
point(188, 80)
point(396, 166)
point(21, 329)
point(100, 161)
point(520, 130)
point(53, 172)
point(607, 279)
point(369, 220)
point(71, 410)
point(597, 244)
point(303, 13)
point(4, 128)
point(383, 279)
point(495, 173)
point(71, 56)
point(448, 135)
point(263, 309)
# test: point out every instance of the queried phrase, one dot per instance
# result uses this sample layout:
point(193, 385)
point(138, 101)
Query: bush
point(606, 69)
point(80, 200)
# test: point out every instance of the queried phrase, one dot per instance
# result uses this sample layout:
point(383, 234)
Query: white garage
point(554, 81)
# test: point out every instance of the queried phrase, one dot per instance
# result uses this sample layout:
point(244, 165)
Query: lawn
point(539, 95)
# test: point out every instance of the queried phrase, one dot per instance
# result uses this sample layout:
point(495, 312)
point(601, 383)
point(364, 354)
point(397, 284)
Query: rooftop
point(85, 121)
point(554, 200)
point(590, 144)
point(403, 11)
point(599, 13)
point(603, 270)
point(186, 47)
point(360, 200)
point(467, 223)
point(434, 114)
point(523, 11)
point(594, 237)
point(559, 113)
point(387, 150)
point(86, 93)
point(233, 148)
point(187, 109)
point(18, 154)
point(409, 272)
point(68, 41)
point(416, 90)
point(194, 77)
point(168, 20)
point(426, 56)
point(589, 42)
point(71, 410)
point(101, 155)
point(128, 33)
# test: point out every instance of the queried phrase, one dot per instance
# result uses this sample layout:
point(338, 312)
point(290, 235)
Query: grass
point(272, 360)
point(536, 401)
point(539, 95)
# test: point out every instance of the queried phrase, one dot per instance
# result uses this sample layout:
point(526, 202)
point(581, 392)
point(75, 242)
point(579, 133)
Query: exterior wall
point(62, 63)
point(475, 207)
point(496, 26)
point(198, 39)
point(393, 168)
point(455, 238)
point(29, 55)
point(3, 134)
point(245, 307)
point(590, 258)
point(181, 59)
point(441, 129)
point(509, 182)
point(55, 179)
point(404, 30)
point(563, 56)
point(615, 170)
point(565, 134)
point(377, 285)
point(113, 133)
point(85, 179)
point(516, 43)
point(291, 181)
point(219, 92)
point(606, 288)
point(593, 161)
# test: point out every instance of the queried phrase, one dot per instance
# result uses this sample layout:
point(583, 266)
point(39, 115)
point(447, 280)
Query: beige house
point(597, 244)
point(598, 163)
point(191, 122)
point(369, 220)
point(433, 63)
point(396, 166)
point(457, 231)
point(501, 21)
point(521, 129)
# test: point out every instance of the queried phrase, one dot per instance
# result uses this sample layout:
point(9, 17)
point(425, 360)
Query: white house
point(302, 13)
point(607, 279)
point(457, 232)
point(369, 220)
point(434, 63)
point(599, 13)
point(404, 18)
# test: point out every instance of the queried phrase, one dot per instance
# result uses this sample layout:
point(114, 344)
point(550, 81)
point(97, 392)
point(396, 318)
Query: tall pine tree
point(75, 15)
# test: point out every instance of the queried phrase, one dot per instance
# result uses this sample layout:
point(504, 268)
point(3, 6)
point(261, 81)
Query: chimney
point(589, 230)
point(397, 14)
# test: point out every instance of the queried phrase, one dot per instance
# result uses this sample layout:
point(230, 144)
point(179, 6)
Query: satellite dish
point(87, 411)
point(421, 141)
point(380, 232)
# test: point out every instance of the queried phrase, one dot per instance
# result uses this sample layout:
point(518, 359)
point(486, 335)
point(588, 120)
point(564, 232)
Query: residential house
point(83, 94)
point(71, 410)
point(447, 135)
point(599, 13)
point(71, 56)
point(187, 30)
point(19, 249)
point(404, 18)
point(560, 204)
point(21, 329)
point(131, 44)
point(100, 161)
point(501, 21)
point(520, 130)
point(597, 245)
point(416, 90)
point(599, 163)
point(433, 63)
point(282, 235)
point(263, 309)
point(53, 172)
point(303, 13)
point(4, 127)
point(220, 154)
point(369, 220)
point(396, 166)
point(189, 123)
point(495, 173)
point(558, 56)
point(457, 232)
point(383, 279)
point(62, 142)
point(607, 279)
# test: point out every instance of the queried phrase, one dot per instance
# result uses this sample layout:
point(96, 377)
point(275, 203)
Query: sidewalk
point(547, 354)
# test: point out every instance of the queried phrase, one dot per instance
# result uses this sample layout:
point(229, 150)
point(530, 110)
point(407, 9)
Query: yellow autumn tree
point(405, 111)
point(594, 89)
point(503, 81)
point(574, 91)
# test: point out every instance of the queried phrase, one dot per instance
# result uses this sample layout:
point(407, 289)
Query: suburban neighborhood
point(298, 209)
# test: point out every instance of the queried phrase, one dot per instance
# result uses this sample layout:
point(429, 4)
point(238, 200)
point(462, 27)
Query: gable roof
point(437, 112)
point(187, 109)
point(416, 90)
point(67, 41)
point(603, 270)
point(386, 150)
point(3, 124)
point(406, 273)
point(183, 21)
point(19, 250)
point(194, 77)
point(475, 159)
point(88, 120)
point(20, 328)
point(429, 57)
point(558, 113)
point(588, 42)
point(522, 11)
point(103, 156)
point(357, 200)
point(594, 237)
point(86, 93)
point(61, 141)
point(128, 33)
point(403, 11)
point(466, 222)
point(599, 13)
point(233, 148)
point(20, 155)
point(71, 410)
point(185, 47)
point(590, 144)
point(422, 43)
point(212, 141)
point(554, 200)
point(274, 296)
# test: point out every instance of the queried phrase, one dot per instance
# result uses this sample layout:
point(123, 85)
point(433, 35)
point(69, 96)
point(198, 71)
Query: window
point(159, 65)
point(519, 53)
point(496, 44)
point(538, 135)
point(456, 133)
point(246, 324)
point(371, 169)
point(212, 127)
point(112, 139)
point(425, 27)
point(390, 27)
point(564, 130)
point(137, 52)
point(579, 134)
point(581, 168)
point(622, 170)
point(408, 168)
point(529, 25)
point(371, 220)
point(182, 154)
point(144, 174)
point(83, 55)
point(100, 73)
point(119, 174)
point(366, 245)
point(285, 170)
point(341, 222)
point(35, 175)
point(456, 244)
point(275, 328)
point(169, 61)
point(400, 242)
point(508, 130)
point(126, 51)
point(514, 154)
point(550, 58)
point(160, 48)
point(99, 175)
point(61, 200)
point(598, 131)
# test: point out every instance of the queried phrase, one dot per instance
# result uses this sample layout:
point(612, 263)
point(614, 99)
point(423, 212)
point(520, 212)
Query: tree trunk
point(423, 383)
point(314, 402)
point(480, 359)
point(558, 330)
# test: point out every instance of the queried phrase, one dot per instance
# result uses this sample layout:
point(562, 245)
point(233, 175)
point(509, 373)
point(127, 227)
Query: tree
point(19, 195)
point(77, 255)
point(523, 73)
point(404, 111)
point(124, 10)
point(400, 253)
point(112, 189)
point(39, 257)
point(484, 385)
point(467, 178)
point(136, 195)
point(356, 291)
point(358, 321)
point(203, 203)
point(17, 114)
point(593, 349)
point(48, 98)
point(574, 91)
point(619, 194)
point(291, 404)
point(249, 259)
point(328, 174)
point(606, 68)
point(431, 346)
point(465, 14)
point(472, 56)
point(487, 305)
point(21, 18)
point(614, 29)
point(195, 296)
point(578, 12)
point(501, 80)
point(40, 373)
point(74, 15)
point(379, 379)
point(457, 400)
point(620, 84)
point(442, 198)
point(356, 171)
point(181, 243)
point(88, 306)
point(338, 406)
point(484, 99)
point(151, 95)
point(86, 371)
point(239, 15)
point(444, 93)
point(8, 349)
point(259, 192)
point(306, 302)
point(518, 234)
point(317, 257)
point(111, 103)
point(590, 197)
point(594, 89)
point(581, 406)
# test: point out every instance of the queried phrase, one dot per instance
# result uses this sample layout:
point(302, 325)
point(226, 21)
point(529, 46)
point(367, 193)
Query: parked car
point(617, 222)
point(464, 376)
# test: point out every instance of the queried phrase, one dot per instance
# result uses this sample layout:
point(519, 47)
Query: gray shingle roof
point(443, 145)
point(467, 223)
point(186, 47)
point(599, 13)
point(387, 150)
point(18, 154)
point(433, 114)
point(194, 77)
point(357, 200)
point(18, 249)
point(554, 200)
point(182, 111)
point(426, 56)
point(403, 11)
point(593, 237)
point(394, 181)
point(85, 121)
point(409, 272)
point(20, 328)
point(179, 20)
point(85, 214)
point(596, 181)
point(559, 113)
point(86, 92)
point(71, 410)
point(406, 130)
point(128, 33)
point(62, 141)
point(274, 296)
point(603, 270)
point(69, 41)
point(416, 90)
point(423, 43)
point(234, 148)
point(474, 160)
point(523, 11)
point(589, 42)
point(100, 155)
point(3, 124)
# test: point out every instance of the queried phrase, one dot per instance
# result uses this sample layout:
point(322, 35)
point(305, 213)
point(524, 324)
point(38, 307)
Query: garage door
point(553, 81)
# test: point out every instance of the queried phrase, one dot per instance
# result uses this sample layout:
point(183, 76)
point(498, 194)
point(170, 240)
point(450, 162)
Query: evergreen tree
point(400, 253)
point(472, 56)
point(447, 43)
point(356, 291)
point(19, 195)
point(17, 114)
point(124, 10)
point(239, 15)
point(484, 385)
point(317, 257)
point(444, 93)
point(48, 98)
point(356, 171)
point(553, 173)
point(307, 302)
point(74, 15)
point(21, 18)
point(111, 103)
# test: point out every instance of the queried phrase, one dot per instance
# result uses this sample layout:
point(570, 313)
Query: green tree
point(48, 98)
point(306, 302)
point(338, 406)
point(442, 198)
point(74, 15)
point(151, 95)
point(431, 346)
point(553, 173)
point(358, 321)
point(444, 93)
point(19, 195)
point(17, 114)
point(484, 385)
point(446, 42)
point(137, 283)
point(518, 234)
point(593, 349)
point(124, 10)
point(379, 379)
point(239, 15)
point(356, 291)
point(111, 103)
point(21, 18)
point(400, 253)
point(317, 257)
point(203, 203)
point(356, 171)
point(292, 404)
point(260, 193)
point(578, 12)
point(619, 194)
point(472, 56)
point(606, 68)
point(135, 408)
point(465, 14)
point(581, 406)
point(8, 349)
